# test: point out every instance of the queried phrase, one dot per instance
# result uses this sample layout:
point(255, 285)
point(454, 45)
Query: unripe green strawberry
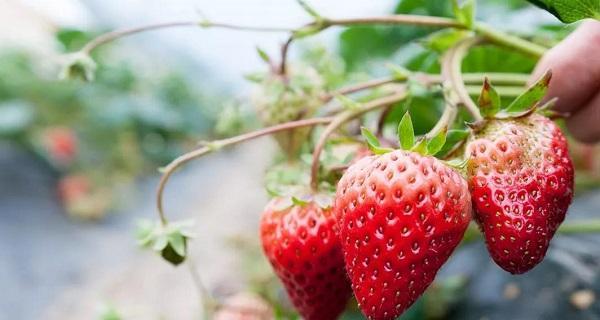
point(401, 215)
point(295, 96)
point(521, 180)
point(302, 244)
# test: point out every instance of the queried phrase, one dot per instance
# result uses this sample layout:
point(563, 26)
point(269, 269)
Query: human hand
point(575, 64)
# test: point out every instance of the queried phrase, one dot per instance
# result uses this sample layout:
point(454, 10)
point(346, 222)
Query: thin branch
point(398, 19)
point(452, 77)
point(117, 34)
point(218, 144)
point(510, 41)
point(343, 118)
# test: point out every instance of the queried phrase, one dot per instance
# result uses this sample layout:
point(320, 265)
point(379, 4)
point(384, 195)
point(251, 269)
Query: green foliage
point(489, 100)
point(531, 97)
point(569, 11)
point(406, 132)
point(124, 124)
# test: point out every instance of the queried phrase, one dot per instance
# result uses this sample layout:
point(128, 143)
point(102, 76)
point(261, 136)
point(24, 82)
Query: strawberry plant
point(380, 222)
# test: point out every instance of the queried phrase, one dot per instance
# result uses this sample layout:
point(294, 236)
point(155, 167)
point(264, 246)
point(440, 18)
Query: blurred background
point(80, 159)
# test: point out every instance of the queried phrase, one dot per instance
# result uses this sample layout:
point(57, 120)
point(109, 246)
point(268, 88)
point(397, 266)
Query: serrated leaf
point(531, 97)
point(436, 143)
point(453, 139)
point(373, 142)
point(177, 241)
point(570, 11)
point(489, 100)
point(406, 132)
point(465, 12)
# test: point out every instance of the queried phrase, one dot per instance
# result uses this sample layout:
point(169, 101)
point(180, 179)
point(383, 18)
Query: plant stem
point(117, 34)
point(452, 79)
point(510, 41)
point(397, 19)
point(499, 79)
point(219, 144)
point(342, 118)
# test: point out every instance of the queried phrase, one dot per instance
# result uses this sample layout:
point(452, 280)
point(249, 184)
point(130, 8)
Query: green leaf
point(263, 55)
point(310, 10)
point(453, 139)
point(464, 13)
point(569, 11)
point(406, 132)
point(420, 146)
point(436, 143)
point(442, 40)
point(373, 142)
point(177, 241)
point(489, 100)
point(528, 100)
point(160, 242)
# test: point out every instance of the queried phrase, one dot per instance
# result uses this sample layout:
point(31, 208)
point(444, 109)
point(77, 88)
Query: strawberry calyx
point(527, 103)
point(428, 145)
point(322, 199)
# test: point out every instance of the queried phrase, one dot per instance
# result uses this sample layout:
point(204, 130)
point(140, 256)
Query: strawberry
point(401, 214)
point(61, 144)
point(301, 242)
point(521, 179)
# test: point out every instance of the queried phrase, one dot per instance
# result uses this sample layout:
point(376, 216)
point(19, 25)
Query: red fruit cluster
point(521, 179)
point(398, 217)
point(401, 215)
point(61, 145)
point(302, 244)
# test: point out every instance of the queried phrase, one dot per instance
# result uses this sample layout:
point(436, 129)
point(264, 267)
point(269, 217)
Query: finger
point(585, 123)
point(575, 64)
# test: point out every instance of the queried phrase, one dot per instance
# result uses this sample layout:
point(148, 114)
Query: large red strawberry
point(302, 244)
point(401, 215)
point(521, 179)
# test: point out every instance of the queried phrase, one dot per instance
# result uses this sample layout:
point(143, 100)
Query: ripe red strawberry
point(401, 215)
point(302, 244)
point(61, 144)
point(521, 180)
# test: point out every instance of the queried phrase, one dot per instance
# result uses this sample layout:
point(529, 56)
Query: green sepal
point(373, 142)
point(169, 240)
point(300, 201)
point(437, 142)
point(263, 55)
point(310, 10)
point(489, 100)
point(465, 13)
point(454, 139)
point(406, 132)
point(530, 98)
point(420, 146)
point(78, 65)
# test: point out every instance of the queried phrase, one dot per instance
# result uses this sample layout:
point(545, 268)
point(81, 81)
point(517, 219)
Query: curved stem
point(407, 19)
point(452, 78)
point(117, 34)
point(218, 144)
point(498, 78)
point(343, 118)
